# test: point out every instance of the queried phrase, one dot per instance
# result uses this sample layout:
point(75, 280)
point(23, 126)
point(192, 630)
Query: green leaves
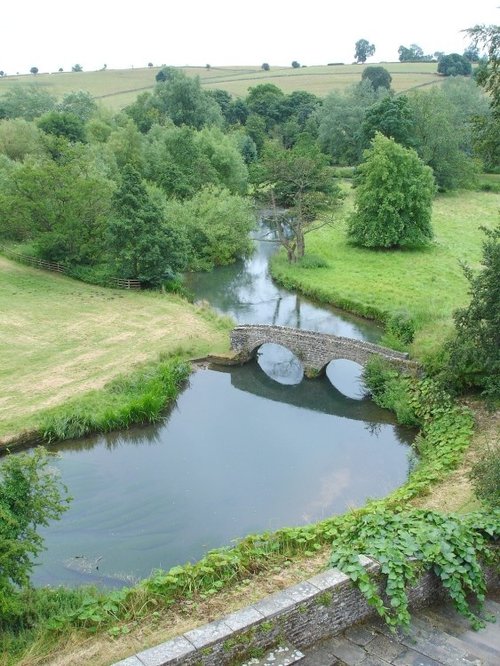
point(407, 542)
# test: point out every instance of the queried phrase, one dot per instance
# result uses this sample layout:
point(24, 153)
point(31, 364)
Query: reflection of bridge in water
point(318, 395)
point(314, 350)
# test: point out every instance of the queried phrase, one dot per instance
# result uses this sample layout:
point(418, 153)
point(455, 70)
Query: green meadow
point(428, 284)
point(66, 338)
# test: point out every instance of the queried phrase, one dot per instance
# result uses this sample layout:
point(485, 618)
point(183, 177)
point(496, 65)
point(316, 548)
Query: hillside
point(118, 88)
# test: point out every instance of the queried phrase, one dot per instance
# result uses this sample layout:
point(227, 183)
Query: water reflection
point(238, 454)
point(246, 292)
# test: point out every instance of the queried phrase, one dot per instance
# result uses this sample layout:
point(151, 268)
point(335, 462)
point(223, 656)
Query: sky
point(57, 33)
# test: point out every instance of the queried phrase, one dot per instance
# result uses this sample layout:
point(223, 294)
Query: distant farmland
point(119, 87)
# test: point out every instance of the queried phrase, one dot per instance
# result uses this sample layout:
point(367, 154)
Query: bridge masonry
point(314, 350)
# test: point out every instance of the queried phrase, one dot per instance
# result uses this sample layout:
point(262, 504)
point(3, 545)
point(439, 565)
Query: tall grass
point(129, 399)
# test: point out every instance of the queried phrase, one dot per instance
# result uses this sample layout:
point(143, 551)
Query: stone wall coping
point(176, 650)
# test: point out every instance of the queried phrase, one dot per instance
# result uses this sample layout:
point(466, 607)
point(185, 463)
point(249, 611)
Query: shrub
point(485, 477)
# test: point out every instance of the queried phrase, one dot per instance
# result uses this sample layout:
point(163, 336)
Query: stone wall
point(315, 350)
point(302, 615)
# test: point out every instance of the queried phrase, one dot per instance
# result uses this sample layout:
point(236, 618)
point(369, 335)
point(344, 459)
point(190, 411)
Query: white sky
point(60, 33)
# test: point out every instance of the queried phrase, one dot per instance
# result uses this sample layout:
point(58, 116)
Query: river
point(244, 449)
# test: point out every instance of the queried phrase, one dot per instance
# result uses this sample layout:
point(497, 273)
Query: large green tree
point(31, 495)
point(475, 351)
point(393, 198)
point(141, 244)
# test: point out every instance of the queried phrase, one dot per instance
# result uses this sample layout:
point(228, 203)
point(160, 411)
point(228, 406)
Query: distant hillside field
point(119, 87)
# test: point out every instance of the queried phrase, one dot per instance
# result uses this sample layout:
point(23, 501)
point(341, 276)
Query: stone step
point(284, 655)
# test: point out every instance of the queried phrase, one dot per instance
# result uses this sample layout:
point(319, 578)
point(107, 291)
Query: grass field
point(61, 338)
point(429, 284)
point(118, 88)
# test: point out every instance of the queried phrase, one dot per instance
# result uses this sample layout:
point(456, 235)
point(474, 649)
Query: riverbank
point(66, 340)
point(426, 285)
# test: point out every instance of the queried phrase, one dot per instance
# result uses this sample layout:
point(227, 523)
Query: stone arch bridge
point(314, 350)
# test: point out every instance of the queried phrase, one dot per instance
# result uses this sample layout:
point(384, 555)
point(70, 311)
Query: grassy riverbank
point(427, 284)
point(65, 339)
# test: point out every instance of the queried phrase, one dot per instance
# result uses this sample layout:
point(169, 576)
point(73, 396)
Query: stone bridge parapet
point(314, 350)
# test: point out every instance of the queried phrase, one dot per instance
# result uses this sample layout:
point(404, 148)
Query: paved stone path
point(438, 635)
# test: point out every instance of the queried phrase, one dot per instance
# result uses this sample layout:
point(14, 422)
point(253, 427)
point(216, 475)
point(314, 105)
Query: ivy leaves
point(407, 542)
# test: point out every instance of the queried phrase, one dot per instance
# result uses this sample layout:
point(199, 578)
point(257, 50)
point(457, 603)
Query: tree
point(182, 99)
point(2, 73)
point(488, 36)
point(474, 361)
point(340, 120)
point(34, 71)
point(392, 117)
point(60, 204)
point(265, 66)
point(140, 244)
point(363, 50)
point(442, 137)
point(77, 68)
point(300, 181)
point(64, 124)
point(80, 103)
point(471, 53)
point(60, 69)
point(150, 64)
point(379, 77)
point(413, 53)
point(295, 64)
point(217, 224)
point(266, 100)
point(393, 197)
point(20, 139)
point(454, 64)
point(30, 496)
point(27, 101)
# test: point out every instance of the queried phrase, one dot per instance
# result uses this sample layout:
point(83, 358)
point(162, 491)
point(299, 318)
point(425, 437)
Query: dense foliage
point(474, 361)
point(393, 198)
point(454, 64)
point(30, 496)
point(406, 542)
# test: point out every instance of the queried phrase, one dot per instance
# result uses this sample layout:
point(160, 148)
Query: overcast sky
point(50, 34)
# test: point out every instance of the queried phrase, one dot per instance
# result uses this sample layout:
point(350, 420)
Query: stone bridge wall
point(315, 350)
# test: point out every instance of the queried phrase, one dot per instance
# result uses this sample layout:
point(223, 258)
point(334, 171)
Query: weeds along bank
point(420, 287)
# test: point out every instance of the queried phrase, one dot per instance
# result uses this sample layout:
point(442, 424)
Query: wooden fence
point(116, 283)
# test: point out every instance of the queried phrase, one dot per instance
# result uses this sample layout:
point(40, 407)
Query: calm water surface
point(244, 450)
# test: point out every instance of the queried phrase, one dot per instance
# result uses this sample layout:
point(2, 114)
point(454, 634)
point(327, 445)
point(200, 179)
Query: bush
point(485, 477)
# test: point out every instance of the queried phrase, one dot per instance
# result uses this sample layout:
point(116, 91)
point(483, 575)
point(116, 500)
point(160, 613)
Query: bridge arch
point(314, 350)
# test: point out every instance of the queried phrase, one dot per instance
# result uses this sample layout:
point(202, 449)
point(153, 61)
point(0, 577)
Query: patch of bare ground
point(455, 492)
point(165, 624)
